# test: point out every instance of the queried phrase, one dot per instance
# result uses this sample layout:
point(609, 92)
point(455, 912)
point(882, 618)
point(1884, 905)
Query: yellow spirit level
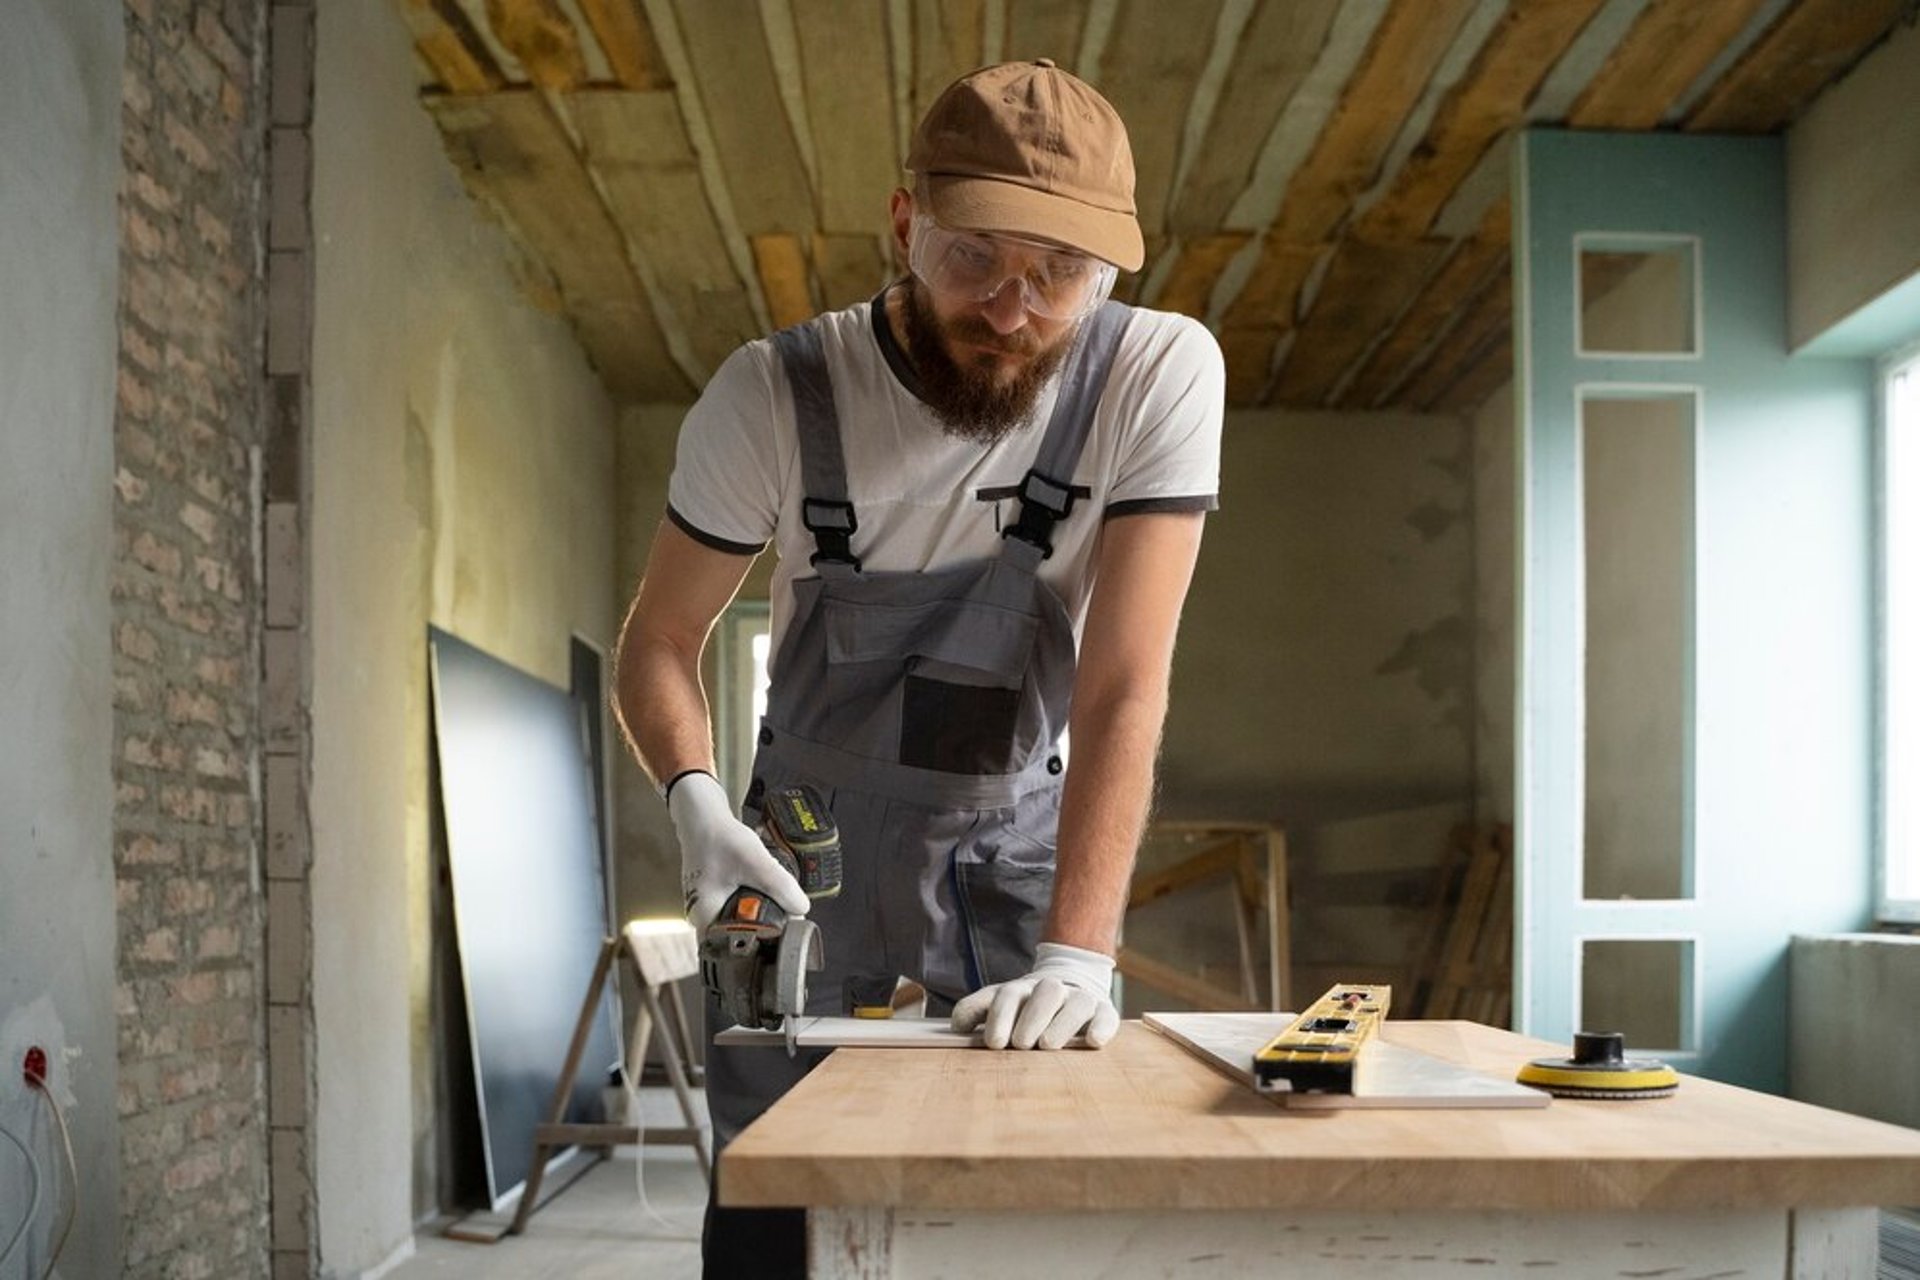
point(1320, 1050)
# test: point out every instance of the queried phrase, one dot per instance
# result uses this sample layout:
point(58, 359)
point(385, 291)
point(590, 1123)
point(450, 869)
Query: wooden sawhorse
point(661, 951)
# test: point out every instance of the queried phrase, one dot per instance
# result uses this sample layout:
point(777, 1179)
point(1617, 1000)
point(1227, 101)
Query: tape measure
point(1320, 1049)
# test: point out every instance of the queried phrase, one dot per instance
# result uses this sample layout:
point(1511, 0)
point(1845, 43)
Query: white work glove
point(719, 853)
point(1067, 993)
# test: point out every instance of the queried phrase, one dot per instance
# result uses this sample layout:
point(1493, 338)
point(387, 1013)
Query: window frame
point(1904, 360)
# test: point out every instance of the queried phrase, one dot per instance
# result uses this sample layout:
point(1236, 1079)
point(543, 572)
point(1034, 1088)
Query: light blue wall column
point(1780, 698)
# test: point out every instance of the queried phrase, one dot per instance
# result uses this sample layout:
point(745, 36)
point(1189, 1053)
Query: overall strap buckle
point(832, 525)
point(1044, 502)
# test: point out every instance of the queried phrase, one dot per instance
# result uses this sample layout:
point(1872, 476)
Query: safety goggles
point(973, 266)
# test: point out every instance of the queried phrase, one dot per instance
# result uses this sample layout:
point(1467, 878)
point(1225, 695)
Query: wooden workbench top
point(1143, 1124)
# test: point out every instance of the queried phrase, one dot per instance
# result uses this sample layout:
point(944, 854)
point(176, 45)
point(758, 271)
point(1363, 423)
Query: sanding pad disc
point(1599, 1068)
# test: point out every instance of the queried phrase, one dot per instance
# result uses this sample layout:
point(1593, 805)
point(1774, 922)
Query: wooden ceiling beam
point(1459, 279)
point(1044, 29)
point(1249, 359)
point(1806, 49)
point(626, 37)
point(752, 136)
point(946, 45)
point(542, 37)
point(1406, 47)
point(636, 148)
point(784, 278)
point(514, 156)
point(1366, 286)
point(453, 50)
point(846, 68)
point(1190, 284)
point(1278, 48)
point(1490, 100)
point(1485, 374)
point(1490, 312)
point(1151, 68)
point(1666, 49)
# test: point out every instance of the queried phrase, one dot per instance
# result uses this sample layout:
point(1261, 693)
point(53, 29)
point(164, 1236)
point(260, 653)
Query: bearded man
point(986, 488)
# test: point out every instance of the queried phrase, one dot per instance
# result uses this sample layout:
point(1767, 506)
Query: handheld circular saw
point(754, 957)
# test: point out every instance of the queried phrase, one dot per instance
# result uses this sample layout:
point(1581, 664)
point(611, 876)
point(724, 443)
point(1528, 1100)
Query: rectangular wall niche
point(1643, 988)
point(1638, 296)
point(1637, 506)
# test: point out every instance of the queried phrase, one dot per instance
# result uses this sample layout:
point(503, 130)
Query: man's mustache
point(974, 332)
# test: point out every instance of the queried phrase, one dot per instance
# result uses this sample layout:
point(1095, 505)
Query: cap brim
point(968, 203)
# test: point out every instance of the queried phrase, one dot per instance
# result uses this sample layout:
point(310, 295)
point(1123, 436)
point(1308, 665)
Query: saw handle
point(800, 833)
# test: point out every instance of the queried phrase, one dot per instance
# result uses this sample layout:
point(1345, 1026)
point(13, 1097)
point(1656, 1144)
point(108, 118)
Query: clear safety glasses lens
point(1056, 283)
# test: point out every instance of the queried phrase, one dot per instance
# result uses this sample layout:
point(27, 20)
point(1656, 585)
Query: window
point(1900, 638)
point(740, 693)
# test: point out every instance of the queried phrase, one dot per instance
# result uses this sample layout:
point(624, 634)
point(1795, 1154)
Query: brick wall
point(186, 641)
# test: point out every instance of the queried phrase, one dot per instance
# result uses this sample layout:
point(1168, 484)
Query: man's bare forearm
point(1103, 811)
point(662, 706)
point(658, 697)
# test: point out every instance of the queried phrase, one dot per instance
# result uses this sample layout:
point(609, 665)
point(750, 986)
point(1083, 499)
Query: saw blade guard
point(801, 953)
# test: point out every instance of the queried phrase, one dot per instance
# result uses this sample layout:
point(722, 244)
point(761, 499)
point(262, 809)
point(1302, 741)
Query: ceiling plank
point(1189, 286)
point(1406, 47)
point(453, 50)
point(542, 37)
point(1366, 286)
point(1808, 47)
point(1492, 98)
point(1279, 46)
point(1669, 45)
point(624, 34)
point(1044, 29)
point(515, 157)
point(947, 38)
point(1152, 64)
point(1248, 352)
point(846, 66)
point(850, 268)
point(1489, 313)
point(636, 145)
point(1446, 293)
point(1485, 374)
point(782, 267)
point(752, 136)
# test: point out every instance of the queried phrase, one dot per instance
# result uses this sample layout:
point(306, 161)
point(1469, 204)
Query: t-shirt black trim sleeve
point(1154, 506)
point(706, 539)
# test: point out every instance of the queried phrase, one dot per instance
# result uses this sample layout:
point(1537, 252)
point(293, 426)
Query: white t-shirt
point(924, 499)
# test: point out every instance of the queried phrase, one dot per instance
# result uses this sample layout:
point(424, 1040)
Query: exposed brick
point(220, 942)
point(136, 642)
point(131, 488)
point(152, 554)
point(143, 850)
point(158, 947)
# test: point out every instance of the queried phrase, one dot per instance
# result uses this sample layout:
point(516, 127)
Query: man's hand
point(719, 853)
point(1067, 993)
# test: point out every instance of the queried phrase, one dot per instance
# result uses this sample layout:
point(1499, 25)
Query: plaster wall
point(1325, 668)
point(1850, 1047)
point(1853, 183)
point(462, 475)
point(60, 64)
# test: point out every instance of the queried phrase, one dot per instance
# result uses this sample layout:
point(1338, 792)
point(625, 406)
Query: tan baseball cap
point(1026, 149)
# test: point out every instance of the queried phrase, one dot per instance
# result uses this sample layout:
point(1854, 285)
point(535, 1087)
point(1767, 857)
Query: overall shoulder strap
point(1046, 495)
point(824, 506)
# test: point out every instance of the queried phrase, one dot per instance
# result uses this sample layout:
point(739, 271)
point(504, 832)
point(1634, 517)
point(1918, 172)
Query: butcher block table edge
point(892, 1129)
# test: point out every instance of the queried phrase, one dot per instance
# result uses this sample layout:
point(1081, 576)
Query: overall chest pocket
point(956, 670)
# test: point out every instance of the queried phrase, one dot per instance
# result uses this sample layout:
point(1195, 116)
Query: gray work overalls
point(926, 708)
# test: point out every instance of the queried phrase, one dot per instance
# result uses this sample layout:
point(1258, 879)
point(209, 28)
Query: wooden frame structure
point(1254, 855)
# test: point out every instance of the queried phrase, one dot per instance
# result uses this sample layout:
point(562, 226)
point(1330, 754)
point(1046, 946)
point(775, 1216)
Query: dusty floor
point(598, 1228)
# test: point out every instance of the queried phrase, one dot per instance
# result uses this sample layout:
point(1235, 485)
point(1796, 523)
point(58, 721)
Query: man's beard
point(968, 401)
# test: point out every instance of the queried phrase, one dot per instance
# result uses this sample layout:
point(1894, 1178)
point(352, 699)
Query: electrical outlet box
point(34, 1069)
